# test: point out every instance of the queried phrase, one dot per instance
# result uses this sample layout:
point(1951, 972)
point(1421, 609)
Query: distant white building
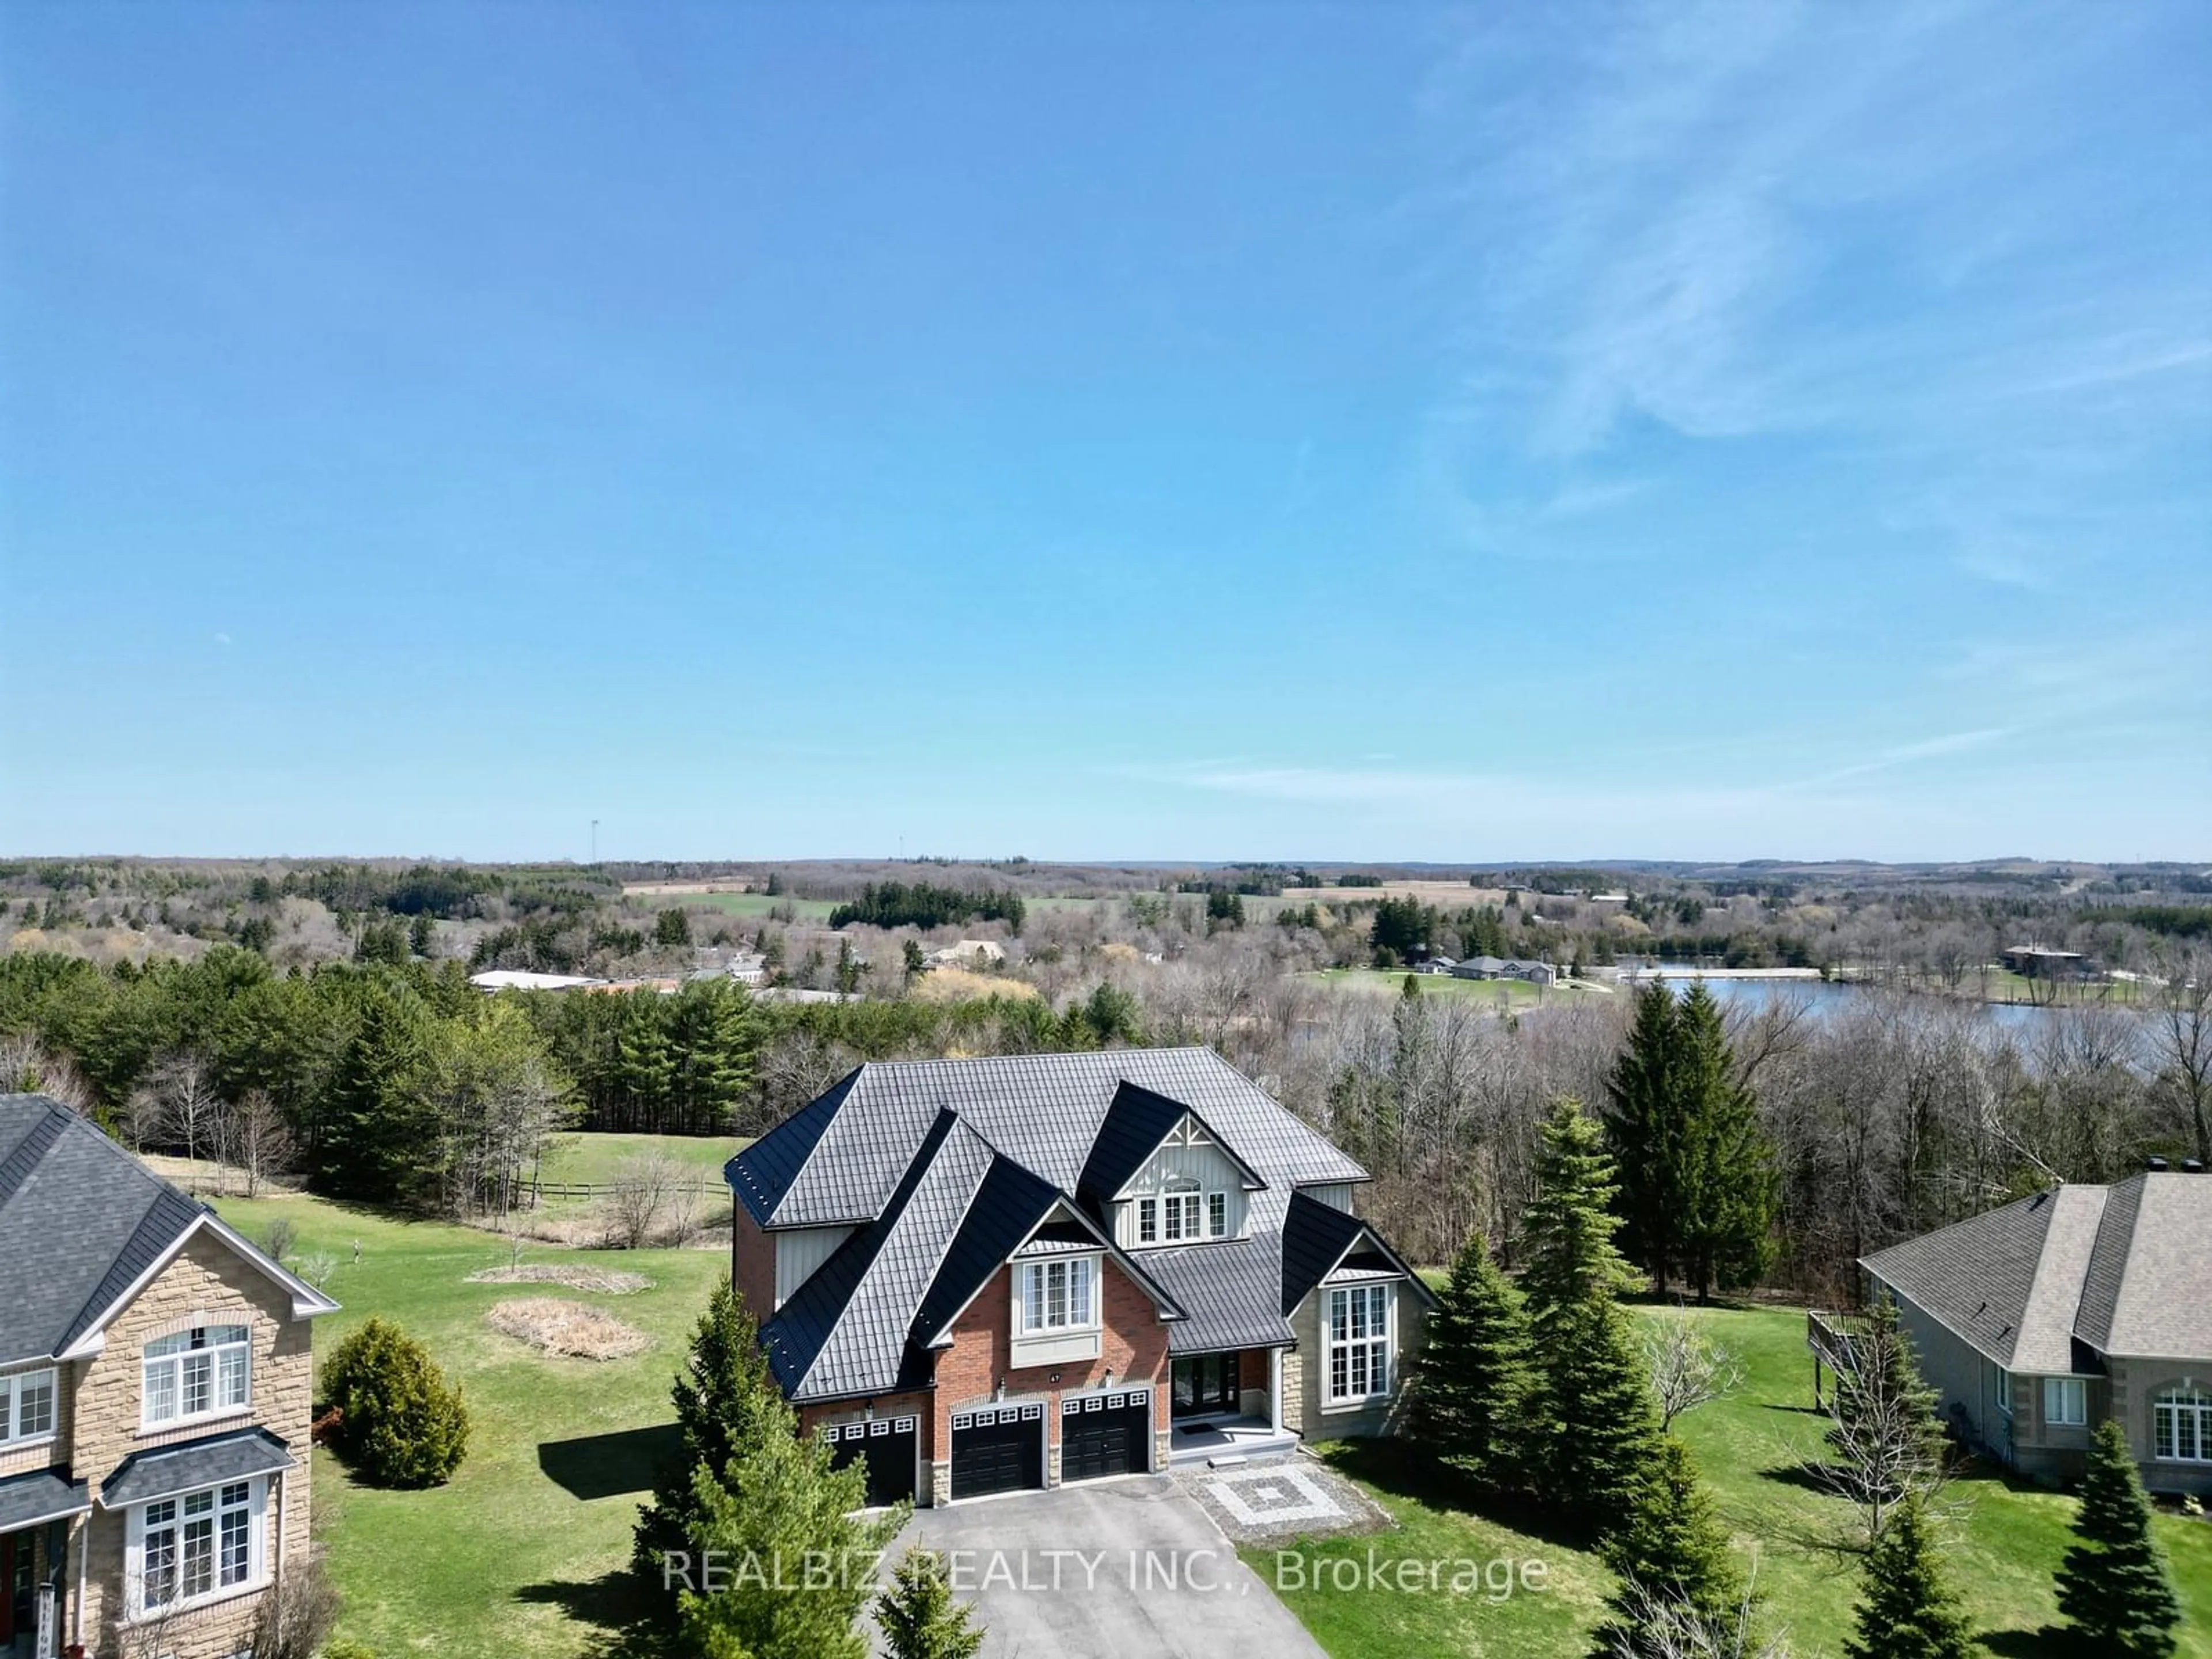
point(520, 979)
point(1435, 966)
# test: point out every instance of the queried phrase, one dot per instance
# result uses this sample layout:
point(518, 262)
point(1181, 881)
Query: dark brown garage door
point(998, 1448)
point(1102, 1434)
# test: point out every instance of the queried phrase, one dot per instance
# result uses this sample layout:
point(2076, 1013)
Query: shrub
point(400, 1423)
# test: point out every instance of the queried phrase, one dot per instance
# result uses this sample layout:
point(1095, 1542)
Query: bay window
point(1357, 1338)
point(27, 1405)
point(197, 1546)
point(190, 1375)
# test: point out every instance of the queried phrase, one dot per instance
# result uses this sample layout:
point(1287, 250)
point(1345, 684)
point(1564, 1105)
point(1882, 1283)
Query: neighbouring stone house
point(982, 1275)
point(155, 1376)
point(2037, 1320)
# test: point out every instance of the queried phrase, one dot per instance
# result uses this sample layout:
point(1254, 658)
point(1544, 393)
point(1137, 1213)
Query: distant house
point(745, 967)
point(2037, 962)
point(1479, 967)
point(2037, 1320)
point(1535, 973)
point(1435, 966)
point(518, 979)
point(969, 953)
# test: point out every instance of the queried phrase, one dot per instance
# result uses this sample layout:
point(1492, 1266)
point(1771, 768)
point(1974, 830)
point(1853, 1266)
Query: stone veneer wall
point(206, 1284)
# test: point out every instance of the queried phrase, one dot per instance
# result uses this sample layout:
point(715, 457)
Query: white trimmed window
point(190, 1375)
point(196, 1548)
point(1148, 1221)
point(1060, 1296)
point(1358, 1341)
point(27, 1405)
point(2065, 1402)
point(2181, 1425)
point(1189, 1216)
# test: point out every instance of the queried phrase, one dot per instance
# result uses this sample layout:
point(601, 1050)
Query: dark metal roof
point(144, 1476)
point(42, 1495)
point(1228, 1291)
point(1044, 1111)
point(1317, 1236)
point(81, 1220)
point(1137, 1121)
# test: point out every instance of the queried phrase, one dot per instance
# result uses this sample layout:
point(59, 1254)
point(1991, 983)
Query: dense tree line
point(918, 904)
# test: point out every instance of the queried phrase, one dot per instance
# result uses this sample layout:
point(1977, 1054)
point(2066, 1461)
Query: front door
point(1205, 1385)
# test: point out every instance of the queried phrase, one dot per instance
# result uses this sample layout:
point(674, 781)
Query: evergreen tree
point(800, 1559)
point(378, 1136)
point(399, 1422)
point(725, 1403)
point(1478, 1389)
point(919, 1616)
point(1909, 1611)
point(710, 1039)
point(1599, 1421)
point(1670, 1549)
point(2113, 1585)
point(672, 929)
point(1698, 1180)
point(1568, 1229)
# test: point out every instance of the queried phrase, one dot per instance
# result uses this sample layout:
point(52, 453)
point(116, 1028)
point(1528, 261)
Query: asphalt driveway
point(1107, 1569)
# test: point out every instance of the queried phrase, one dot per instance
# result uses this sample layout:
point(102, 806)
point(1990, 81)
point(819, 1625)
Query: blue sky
point(1168, 432)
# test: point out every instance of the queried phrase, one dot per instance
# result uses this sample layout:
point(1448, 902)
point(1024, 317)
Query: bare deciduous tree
point(178, 1106)
point(642, 1187)
point(1660, 1627)
point(255, 1139)
point(28, 1067)
point(1688, 1367)
point(2181, 1041)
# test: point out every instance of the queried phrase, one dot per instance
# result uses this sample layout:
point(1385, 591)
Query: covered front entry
point(998, 1448)
point(1102, 1434)
point(30, 1592)
point(889, 1447)
point(1206, 1385)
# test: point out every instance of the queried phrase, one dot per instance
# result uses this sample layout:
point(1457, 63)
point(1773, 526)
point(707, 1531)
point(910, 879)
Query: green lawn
point(594, 1157)
point(507, 1558)
point(1379, 981)
point(2003, 1553)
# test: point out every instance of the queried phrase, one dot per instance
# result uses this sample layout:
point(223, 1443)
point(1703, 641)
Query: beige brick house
point(156, 1371)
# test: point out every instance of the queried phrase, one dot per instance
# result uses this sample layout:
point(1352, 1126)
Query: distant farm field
point(1444, 895)
point(750, 905)
point(1391, 981)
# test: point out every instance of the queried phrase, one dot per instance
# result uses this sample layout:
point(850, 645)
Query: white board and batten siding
point(800, 1252)
point(1337, 1194)
point(1180, 1166)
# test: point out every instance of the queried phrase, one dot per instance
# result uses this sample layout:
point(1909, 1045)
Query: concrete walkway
point(1107, 1569)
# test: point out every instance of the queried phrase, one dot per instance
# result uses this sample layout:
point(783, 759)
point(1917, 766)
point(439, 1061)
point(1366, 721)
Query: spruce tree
point(377, 1135)
point(1671, 1550)
point(1599, 1421)
point(1909, 1610)
point(2114, 1585)
point(725, 1403)
point(1478, 1387)
point(1731, 1186)
point(1643, 1129)
point(919, 1616)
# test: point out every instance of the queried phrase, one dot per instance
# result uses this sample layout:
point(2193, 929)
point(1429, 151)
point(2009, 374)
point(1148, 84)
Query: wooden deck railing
point(1828, 1335)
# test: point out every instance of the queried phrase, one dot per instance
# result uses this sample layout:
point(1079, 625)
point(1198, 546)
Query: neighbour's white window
point(201, 1373)
point(1148, 1220)
point(2181, 1425)
point(1358, 1342)
point(27, 1405)
point(196, 1548)
point(2065, 1401)
point(1059, 1296)
point(1187, 1216)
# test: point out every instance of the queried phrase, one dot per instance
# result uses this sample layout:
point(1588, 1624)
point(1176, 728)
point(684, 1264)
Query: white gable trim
point(307, 1300)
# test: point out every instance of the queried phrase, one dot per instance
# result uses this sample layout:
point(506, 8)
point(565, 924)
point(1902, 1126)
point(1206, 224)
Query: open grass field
point(2002, 1553)
point(595, 1158)
point(750, 906)
point(514, 1557)
point(1377, 981)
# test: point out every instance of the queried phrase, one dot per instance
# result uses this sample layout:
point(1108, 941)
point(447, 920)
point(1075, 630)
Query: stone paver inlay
point(1258, 1500)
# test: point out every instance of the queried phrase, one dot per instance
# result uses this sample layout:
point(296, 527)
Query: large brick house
point(2039, 1320)
point(982, 1275)
point(156, 1371)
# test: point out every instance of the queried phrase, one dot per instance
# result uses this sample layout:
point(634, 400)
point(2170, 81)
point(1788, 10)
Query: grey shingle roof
point(40, 1495)
point(2124, 1269)
point(144, 1476)
point(79, 1220)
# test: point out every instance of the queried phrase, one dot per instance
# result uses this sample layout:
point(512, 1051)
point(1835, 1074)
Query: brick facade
point(752, 1265)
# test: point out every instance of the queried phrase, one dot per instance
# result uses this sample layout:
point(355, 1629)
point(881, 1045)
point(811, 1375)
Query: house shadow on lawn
point(1403, 1468)
point(2048, 1643)
point(615, 1465)
point(623, 1610)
